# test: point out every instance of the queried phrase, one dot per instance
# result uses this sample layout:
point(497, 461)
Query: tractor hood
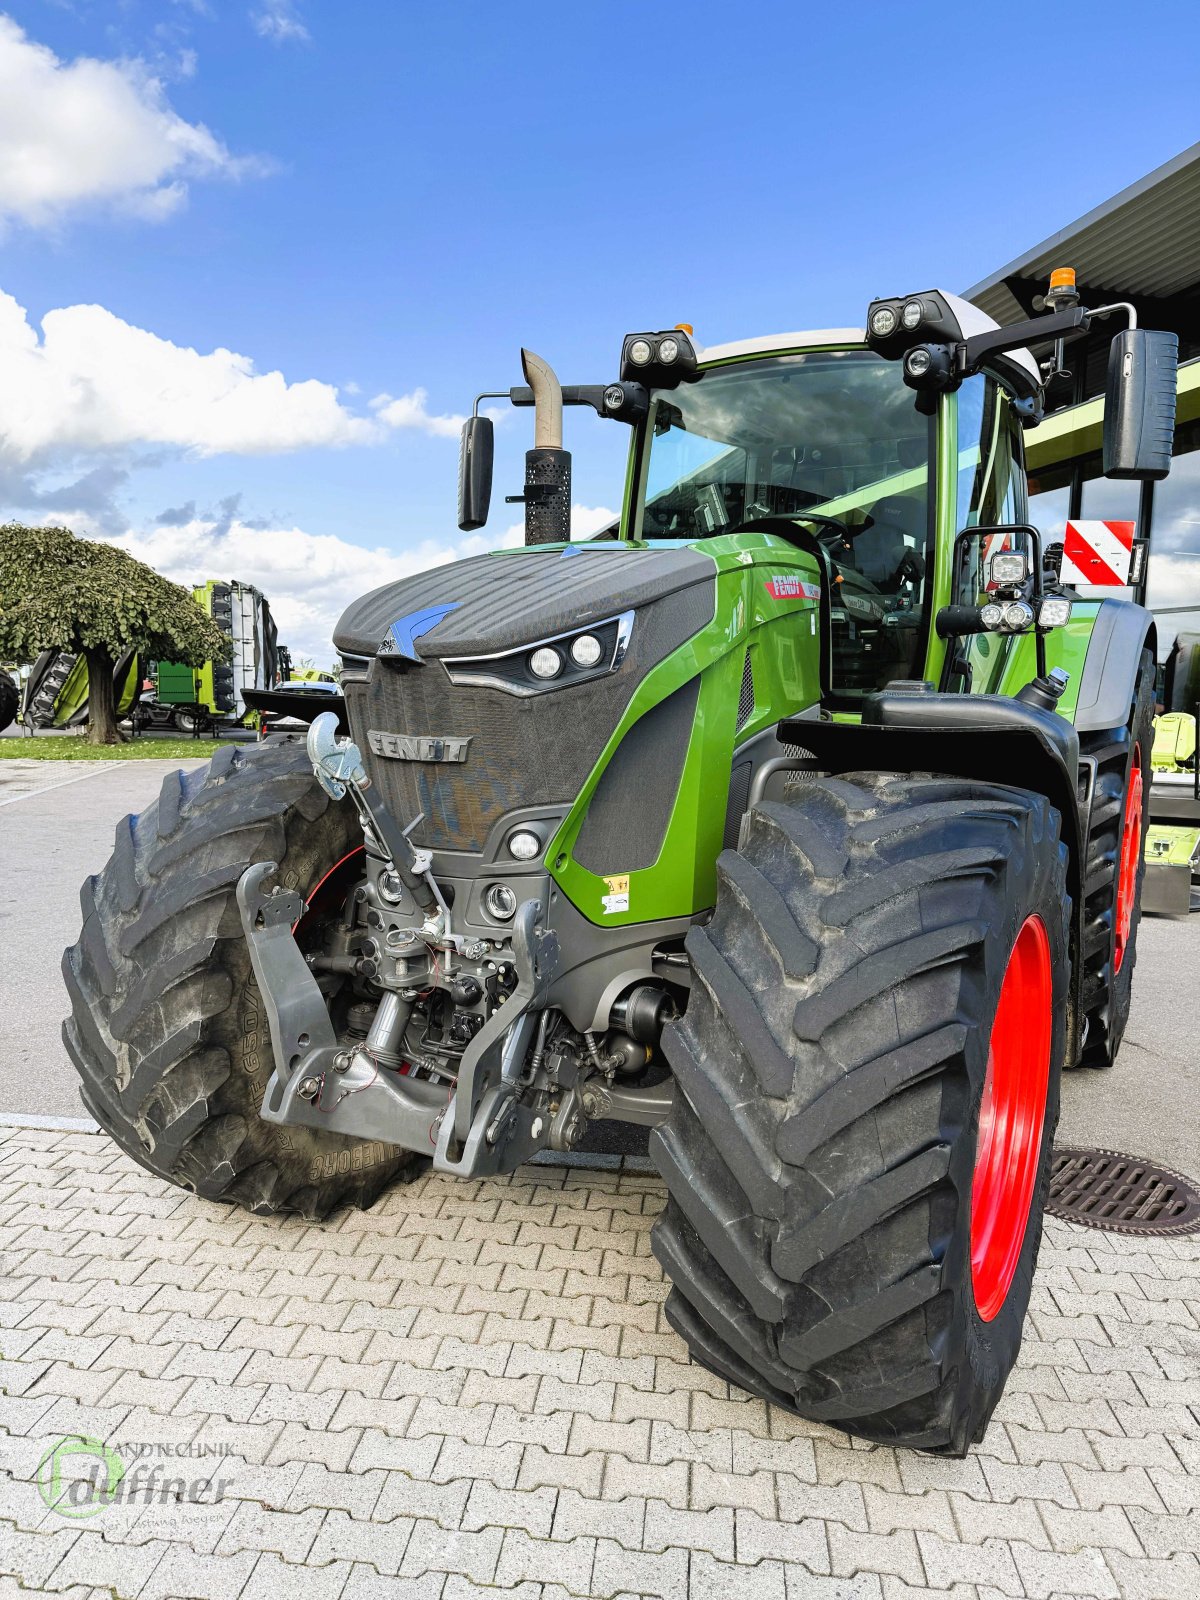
point(500, 601)
point(466, 750)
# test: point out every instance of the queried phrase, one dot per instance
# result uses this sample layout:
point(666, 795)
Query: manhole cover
point(1121, 1194)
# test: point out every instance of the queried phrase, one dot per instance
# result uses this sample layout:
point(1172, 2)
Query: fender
point(985, 738)
point(1120, 633)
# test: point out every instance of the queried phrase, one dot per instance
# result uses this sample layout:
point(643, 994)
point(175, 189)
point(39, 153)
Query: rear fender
point(983, 738)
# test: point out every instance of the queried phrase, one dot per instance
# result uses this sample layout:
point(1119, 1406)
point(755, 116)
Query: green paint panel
point(760, 605)
point(176, 683)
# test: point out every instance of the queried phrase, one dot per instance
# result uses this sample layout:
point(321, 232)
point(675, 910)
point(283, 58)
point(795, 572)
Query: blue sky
point(389, 199)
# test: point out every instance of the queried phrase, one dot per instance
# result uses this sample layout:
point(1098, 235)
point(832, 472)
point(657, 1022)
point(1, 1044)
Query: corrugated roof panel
point(1144, 241)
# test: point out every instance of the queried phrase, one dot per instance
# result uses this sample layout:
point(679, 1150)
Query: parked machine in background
point(10, 699)
point(1173, 837)
point(56, 689)
point(179, 697)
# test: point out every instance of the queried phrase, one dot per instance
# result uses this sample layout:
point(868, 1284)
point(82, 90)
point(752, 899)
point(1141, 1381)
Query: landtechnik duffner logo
point(80, 1477)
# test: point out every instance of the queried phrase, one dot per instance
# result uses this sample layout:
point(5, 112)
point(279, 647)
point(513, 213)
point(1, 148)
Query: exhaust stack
point(547, 465)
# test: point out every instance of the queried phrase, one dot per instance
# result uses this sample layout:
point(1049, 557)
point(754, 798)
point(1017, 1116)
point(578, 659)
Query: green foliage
point(60, 592)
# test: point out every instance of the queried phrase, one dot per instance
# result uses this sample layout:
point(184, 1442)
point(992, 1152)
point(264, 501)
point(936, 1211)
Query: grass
point(69, 747)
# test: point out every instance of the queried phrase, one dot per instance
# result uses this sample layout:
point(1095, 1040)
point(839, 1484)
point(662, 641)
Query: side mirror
point(476, 455)
point(1139, 404)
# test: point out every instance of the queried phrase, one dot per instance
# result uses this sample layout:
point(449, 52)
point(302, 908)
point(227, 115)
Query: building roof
point(1144, 242)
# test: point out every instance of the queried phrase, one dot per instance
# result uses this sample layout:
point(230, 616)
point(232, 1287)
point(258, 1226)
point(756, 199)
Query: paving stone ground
point(470, 1390)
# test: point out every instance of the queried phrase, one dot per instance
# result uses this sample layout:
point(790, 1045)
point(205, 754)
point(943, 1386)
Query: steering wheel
point(785, 523)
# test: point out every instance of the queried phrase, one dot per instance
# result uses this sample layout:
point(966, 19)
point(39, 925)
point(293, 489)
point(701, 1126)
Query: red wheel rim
point(1131, 851)
point(1011, 1116)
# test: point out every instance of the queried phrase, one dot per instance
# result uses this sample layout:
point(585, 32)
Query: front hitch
point(317, 1083)
point(476, 1129)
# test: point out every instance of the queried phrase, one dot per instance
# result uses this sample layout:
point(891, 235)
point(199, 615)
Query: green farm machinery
point(796, 818)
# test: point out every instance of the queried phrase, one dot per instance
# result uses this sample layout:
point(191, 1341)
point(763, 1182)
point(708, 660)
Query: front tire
point(831, 1071)
point(167, 1028)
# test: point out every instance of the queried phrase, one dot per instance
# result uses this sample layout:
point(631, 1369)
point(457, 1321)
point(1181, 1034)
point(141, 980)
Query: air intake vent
point(746, 698)
point(623, 835)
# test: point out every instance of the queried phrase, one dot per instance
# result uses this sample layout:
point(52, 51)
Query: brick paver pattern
point(471, 1390)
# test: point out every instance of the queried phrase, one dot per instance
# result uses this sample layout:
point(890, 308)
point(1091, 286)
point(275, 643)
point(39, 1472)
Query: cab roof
point(769, 343)
point(970, 319)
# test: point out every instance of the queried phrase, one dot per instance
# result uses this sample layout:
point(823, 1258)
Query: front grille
point(522, 752)
point(745, 708)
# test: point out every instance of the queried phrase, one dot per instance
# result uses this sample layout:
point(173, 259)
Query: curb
point(18, 1119)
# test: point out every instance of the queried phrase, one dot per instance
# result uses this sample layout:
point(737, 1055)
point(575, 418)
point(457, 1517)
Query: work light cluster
point(1008, 569)
point(548, 660)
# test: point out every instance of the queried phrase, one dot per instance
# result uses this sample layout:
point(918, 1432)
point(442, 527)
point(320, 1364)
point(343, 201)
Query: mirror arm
point(974, 351)
point(1118, 305)
point(573, 394)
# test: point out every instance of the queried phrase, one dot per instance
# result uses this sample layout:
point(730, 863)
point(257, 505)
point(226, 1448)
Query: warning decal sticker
point(1098, 553)
point(617, 898)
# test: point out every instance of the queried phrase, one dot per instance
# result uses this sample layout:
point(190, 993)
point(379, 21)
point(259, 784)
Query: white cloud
point(279, 22)
point(410, 411)
point(90, 132)
point(309, 578)
point(94, 383)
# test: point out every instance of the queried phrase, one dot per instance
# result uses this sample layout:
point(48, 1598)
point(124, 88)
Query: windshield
point(835, 433)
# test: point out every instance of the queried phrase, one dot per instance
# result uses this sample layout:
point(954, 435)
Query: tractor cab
point(821, 446)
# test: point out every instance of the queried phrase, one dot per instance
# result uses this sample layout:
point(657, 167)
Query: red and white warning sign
point(1098, 553)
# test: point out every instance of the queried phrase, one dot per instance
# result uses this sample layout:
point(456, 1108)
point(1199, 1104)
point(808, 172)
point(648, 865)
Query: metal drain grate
point(1121, 1194)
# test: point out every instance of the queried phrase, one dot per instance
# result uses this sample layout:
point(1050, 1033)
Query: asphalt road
point(57, 821)
point(56, 827)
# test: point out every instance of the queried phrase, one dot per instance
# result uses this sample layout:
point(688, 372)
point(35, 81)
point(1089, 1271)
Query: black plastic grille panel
point(523, 751)
point(628, 814)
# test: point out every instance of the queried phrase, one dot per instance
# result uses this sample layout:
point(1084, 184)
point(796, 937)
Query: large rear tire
point(868, 956)
point(1112, 897)
point(167, 1026)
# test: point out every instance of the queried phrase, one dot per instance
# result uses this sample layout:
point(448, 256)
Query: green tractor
point(796, 818)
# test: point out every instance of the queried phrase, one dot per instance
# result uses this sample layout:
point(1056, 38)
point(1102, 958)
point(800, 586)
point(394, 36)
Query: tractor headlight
point(640, 352)
point(883, 321)
point(500, 902)
point(668, 350)
point(918, 362)
point(912, 313)
point(992, 617)
point(1017, 616)
point(541, 665)
point(1054, 611)
point(523, 845)
point(1007, 566)
point(546, 662)
point(586, 650)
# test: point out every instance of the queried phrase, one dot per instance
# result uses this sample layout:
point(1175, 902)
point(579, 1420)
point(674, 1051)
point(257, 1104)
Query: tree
point(60, 592)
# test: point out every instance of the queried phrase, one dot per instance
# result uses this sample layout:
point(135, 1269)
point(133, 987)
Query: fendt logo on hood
point(786, 586)
point(417, 747)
